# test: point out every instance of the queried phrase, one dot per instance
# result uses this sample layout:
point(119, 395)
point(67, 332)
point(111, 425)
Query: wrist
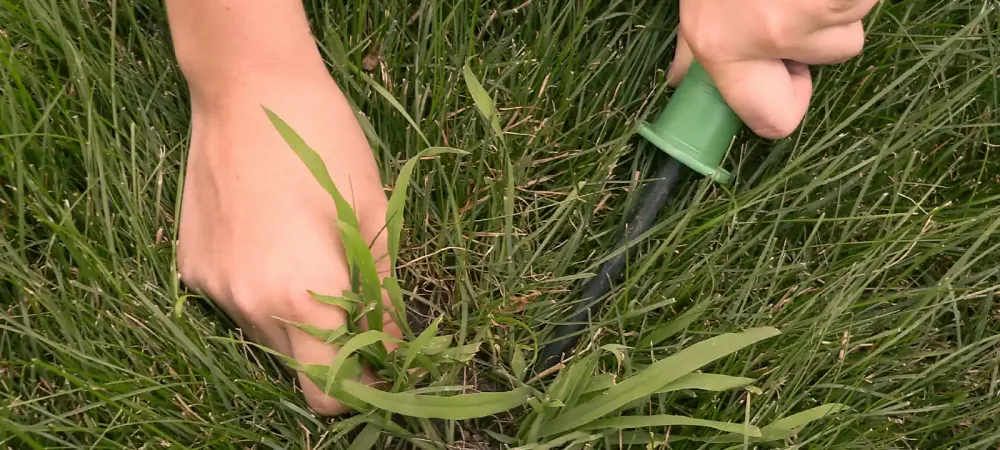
point(222, 44)
point(211, 85)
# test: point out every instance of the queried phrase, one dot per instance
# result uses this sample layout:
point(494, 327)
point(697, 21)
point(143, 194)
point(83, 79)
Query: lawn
point(869, 238)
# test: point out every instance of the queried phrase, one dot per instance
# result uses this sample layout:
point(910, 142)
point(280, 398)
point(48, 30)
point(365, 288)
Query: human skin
point(758, 52)
point(256, 230)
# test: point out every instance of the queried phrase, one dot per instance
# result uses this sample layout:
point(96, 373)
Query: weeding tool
point(694, 131)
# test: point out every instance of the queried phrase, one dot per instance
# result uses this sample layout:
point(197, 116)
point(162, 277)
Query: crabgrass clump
point(579, 406)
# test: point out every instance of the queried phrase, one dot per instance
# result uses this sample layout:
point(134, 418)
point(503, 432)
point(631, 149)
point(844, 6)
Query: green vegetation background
point(869, 238)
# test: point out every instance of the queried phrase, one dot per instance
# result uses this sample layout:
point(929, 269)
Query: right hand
point(758, 52)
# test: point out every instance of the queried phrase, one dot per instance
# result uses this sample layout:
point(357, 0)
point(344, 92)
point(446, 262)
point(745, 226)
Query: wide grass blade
point(655, 376)
point(787, 427)
point(398, 312)
point(484, 103)
point(327, 336)
point(691, 381)
point(459, 407)
point(565, 441)
point(356, 343)
point(314, 162)
point(367, 438)
point(666, 420)
point(414, 348)
point(361, 259)
point(667, 330)
point(600, 383)
point(394, 211)
point(706, 382)
point(348, 301)
point(518, 364)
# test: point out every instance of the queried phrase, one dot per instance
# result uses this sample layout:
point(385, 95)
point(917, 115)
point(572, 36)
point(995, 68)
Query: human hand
point(258, 231)
point(758, 52)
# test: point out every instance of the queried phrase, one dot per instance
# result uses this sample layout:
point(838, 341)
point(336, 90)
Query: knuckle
point(293, 300)
point(706, 42)
point(779, 39)
point(272, 291)
point(250, 301)
point(777, 35)
point(778, 129)
point(838, 7)
point(298, 303)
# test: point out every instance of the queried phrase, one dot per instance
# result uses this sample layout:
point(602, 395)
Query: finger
point(307, 349)
point(830, 45)
point(323, 270)
point(681, 63)
point(842, 12)
point(770, 96)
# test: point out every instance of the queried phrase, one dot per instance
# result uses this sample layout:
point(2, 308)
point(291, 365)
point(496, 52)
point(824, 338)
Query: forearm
point(217, 41)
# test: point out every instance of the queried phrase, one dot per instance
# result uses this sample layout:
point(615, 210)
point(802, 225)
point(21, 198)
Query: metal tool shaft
point(653, 198)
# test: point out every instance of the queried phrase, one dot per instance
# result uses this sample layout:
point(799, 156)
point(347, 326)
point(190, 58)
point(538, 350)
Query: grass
point(869, 238)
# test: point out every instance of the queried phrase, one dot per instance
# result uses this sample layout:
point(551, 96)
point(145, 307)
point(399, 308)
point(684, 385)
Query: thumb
point(770, 96)
point(681, 63)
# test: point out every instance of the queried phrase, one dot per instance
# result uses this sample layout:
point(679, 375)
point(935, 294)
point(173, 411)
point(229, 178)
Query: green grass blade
point(656, 375)
point(367, 438)
point(484, 103)
point(342, 427)
point(462, 353)
point(692, 381)
point(667, 420)
point(395, 293)
point(360, 258)
point(414, 348)
point(518, 364)
point(314, 162)
point(667, 330)
point(578, 378)
point(504, 439)
point(600, 382)
point(459, 407)
point(346, 302)
point(561, 441)
point(327, 336)
point(437, 345)
point(395, 104)
point(394, 212)
point(706, 382)
point(356, 343)
point(786, 427)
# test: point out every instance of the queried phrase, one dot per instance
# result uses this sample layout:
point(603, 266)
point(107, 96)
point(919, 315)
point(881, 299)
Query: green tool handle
point(697, 126)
